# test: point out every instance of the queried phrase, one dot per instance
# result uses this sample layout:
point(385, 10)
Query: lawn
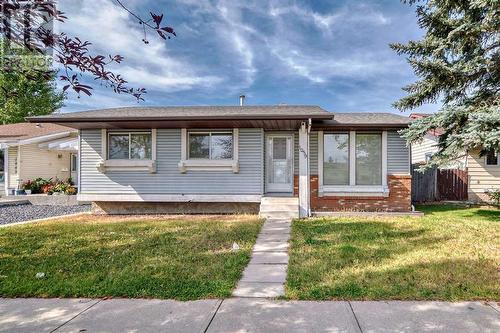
point(162, 257)
point(450, 254)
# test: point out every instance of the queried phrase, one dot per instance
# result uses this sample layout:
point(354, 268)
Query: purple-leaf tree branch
point(24, 23)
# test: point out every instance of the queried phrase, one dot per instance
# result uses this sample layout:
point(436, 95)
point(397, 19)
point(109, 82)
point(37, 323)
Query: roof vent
point(242, 100)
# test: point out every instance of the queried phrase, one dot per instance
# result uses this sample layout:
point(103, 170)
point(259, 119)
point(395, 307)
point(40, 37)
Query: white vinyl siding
point(37, 162)
point(482, 177)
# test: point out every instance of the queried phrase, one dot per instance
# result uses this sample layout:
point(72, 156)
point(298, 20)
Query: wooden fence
point(437, 184)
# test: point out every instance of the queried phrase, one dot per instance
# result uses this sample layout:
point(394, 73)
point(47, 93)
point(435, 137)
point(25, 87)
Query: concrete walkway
point(244, 315)
point(265, 275)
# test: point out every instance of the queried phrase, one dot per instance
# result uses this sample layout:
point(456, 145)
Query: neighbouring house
point(32, 150)
point(221, 159)
point(484, 174)
point(483, 171)
point(422, 151)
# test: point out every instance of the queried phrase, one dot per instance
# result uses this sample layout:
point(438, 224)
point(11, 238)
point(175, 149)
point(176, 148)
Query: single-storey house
point(231, 158)
point(33, 150)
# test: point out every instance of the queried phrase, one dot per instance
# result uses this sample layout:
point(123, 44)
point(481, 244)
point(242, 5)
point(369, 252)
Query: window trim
point(352, 189)
point(492, 165)
point(127, 164)
point(203, 164)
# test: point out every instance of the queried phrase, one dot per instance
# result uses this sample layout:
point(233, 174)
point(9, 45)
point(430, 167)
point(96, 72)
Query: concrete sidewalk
point(244, 315)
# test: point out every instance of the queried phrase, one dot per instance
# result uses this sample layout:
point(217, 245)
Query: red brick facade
point(399, 199)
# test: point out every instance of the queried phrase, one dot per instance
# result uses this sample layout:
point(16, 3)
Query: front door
point(279, 164)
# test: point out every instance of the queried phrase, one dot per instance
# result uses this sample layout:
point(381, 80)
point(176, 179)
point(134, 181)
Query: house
point(422, 151)
point(32, 150)
point(483, 171)
point(219, 159)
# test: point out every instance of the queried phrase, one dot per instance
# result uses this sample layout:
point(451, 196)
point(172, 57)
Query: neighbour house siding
point(418, 150)
point(12, 167)
point(168, 179)
point(398, 154)
point(482, 177)
point(36, 162)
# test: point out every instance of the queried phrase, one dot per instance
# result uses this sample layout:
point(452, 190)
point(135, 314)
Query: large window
point(352, 159)
point(368, 159)
point(129, 145)
point(210, 145)
point(336, 159)
point(492, 158)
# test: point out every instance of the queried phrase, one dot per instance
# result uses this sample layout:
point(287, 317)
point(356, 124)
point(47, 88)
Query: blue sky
point(329, 53)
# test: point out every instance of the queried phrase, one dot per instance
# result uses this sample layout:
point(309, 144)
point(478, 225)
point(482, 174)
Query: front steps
point(279, 207)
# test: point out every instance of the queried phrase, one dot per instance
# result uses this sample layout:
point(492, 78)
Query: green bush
point(494, 196)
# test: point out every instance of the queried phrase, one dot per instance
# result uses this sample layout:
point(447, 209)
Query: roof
point(190, 113)
point(367, 120)
point(24, 131)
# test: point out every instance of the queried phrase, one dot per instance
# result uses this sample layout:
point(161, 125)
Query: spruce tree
point(457, 62)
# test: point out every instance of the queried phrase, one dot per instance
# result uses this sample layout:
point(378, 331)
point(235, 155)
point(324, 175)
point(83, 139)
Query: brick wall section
point(399, 199)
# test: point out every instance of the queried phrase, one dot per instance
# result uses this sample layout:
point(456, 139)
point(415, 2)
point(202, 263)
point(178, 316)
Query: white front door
point(279, 164)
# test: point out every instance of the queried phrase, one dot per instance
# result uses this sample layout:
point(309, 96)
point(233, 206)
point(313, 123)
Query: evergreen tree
point(457, 62)
point(28, 89)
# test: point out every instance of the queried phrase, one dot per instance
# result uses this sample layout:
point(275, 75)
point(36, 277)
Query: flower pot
point(28, 192)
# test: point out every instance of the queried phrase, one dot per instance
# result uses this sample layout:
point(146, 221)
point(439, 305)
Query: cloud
point(112, 30)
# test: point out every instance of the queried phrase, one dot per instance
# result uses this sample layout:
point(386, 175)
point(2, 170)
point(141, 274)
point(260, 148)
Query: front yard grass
point(450, 254)
point(148, 257)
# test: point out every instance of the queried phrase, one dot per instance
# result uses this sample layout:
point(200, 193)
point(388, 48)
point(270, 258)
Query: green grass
point(450, 254)
point(149, 257)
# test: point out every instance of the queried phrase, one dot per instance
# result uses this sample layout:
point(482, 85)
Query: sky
point(334, 54)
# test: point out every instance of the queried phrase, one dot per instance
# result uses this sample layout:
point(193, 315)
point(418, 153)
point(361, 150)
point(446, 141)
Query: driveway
point(244, 315)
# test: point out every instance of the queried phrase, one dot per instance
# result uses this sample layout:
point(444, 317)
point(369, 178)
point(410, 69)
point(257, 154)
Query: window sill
point(209, 165)
point(127, 165)
point(354, 191)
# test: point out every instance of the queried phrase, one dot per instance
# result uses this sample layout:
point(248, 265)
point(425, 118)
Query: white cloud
point(112, 30)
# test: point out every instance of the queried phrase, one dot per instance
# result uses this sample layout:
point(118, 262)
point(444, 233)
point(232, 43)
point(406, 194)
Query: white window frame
point(492, 165)
point(203, 164)
point(352, 189)
point(107, 165)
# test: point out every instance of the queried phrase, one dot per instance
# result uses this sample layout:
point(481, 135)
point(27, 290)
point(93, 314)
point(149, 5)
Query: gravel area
point(27, 212)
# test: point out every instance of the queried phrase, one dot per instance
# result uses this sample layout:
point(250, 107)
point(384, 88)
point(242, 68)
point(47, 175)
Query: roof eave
point(62, 120)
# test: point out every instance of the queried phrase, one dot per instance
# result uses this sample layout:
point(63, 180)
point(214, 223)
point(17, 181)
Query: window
point(368, 159)
point(336, 159)
point(352, 163)
point(211, 145)
point(492, 158)
point(74, 160)
point(134, 146)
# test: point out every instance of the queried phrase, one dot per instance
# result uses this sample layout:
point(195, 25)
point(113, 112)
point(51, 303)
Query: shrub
point(494, 196)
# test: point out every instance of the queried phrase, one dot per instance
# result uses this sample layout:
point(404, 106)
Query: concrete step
point(280, 200)
point(278, 207)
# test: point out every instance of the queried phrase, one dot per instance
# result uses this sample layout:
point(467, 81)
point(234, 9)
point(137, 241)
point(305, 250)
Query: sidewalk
point(244, 315)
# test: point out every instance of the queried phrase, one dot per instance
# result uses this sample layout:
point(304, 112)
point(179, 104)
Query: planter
point(20, 192)
point(28, 192)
